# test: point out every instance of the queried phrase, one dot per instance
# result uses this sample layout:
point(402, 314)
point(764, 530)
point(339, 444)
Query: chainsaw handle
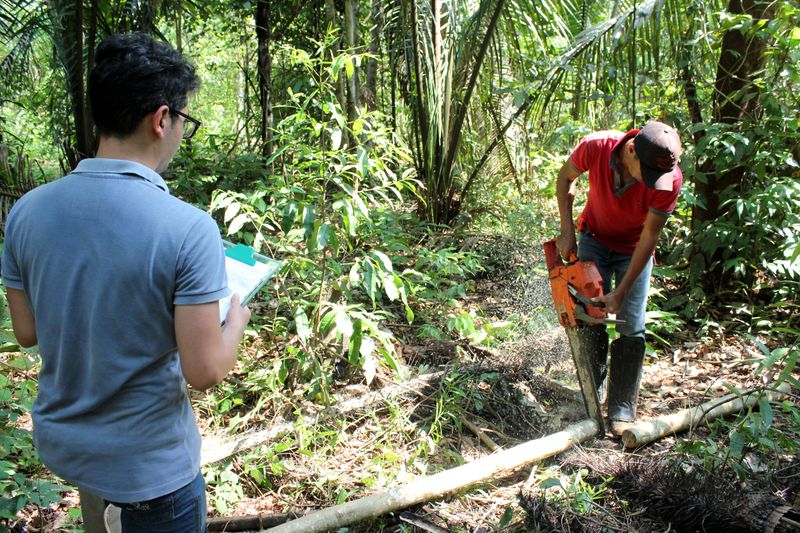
point(583, 299)
point(553, 257)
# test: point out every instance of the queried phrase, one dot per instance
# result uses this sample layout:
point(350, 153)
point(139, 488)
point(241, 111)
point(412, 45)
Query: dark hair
point(133, 75)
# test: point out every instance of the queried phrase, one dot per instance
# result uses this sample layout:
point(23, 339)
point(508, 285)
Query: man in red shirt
point(634, 182)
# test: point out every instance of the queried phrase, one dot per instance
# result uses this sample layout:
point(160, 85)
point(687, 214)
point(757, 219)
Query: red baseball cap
point(658, 148)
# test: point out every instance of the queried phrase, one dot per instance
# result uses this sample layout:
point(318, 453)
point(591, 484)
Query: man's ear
point(632, 149)
point(160, 121)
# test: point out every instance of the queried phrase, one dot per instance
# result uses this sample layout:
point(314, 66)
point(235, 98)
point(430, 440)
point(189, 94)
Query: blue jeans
point(181, 511)
point(613, 265)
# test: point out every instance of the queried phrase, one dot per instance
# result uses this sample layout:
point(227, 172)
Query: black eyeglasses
point(190, 124)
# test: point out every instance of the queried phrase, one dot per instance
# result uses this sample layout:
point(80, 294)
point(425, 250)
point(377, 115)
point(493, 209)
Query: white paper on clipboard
point(245, 279)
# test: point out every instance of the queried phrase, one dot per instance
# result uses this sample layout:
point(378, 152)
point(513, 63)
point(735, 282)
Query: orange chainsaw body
point(584, 278)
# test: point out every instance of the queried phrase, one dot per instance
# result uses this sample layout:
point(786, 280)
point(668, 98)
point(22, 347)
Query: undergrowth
point(363, 278)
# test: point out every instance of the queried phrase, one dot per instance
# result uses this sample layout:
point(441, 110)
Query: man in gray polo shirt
point(119, 282)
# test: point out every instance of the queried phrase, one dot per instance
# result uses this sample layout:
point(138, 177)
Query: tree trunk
point(690, 91)
point(91, 45)
point(369, 93)
point(332, 19)
point(427, 488)
point(72, 50)
point(179, 27)
point(451, 210)
point(263, 34)
point(735, 101)
point(648, 431)
point(741, 58)
point(351, 42)
point(243, 96)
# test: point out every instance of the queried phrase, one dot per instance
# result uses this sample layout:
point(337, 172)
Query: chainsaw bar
point(591, 397)
point(573, 286)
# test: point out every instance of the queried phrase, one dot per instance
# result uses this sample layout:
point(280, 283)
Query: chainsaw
point(573, 285)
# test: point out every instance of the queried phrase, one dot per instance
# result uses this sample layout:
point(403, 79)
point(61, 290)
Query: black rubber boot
point(594, 342)
point(625, 376)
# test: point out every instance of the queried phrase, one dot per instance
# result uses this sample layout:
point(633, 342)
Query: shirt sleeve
point(664, 202)
point(585, 152)
point(201, 276)
point(8, 264)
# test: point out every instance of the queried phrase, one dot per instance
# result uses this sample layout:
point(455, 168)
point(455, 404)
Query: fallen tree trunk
point(248, 522)
point(214, 450)
point(431, 487)
point(660, 426)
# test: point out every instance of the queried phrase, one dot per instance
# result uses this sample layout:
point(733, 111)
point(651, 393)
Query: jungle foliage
point(358, 140)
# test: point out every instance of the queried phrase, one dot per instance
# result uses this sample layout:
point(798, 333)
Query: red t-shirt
point(616, 219)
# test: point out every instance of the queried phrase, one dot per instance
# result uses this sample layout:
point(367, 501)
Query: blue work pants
point(612, 266)
point(181, 511)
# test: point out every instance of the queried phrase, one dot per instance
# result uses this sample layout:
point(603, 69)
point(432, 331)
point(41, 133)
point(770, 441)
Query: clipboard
point(247, 272)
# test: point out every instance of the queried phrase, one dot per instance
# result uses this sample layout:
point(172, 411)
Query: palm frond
point(612, 38)
point(452, 62)
point(16, 178)
point(616, 55)
point(20, 22)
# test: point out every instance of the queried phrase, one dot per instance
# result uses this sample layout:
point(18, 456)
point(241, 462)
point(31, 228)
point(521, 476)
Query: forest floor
point(514, 391)
point(522, 389)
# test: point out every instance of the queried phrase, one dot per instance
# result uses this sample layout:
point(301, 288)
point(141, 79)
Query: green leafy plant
point(452, 398)
point(779, 363)
point(750, 444)
point(465, 325)
point(223, 487)
point(573, 492)
point(754, 440)
point(324, 215)
point(23, 479)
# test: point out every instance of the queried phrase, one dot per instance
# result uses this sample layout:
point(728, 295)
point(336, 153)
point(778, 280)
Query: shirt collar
point(619, 188)
point(99, 165)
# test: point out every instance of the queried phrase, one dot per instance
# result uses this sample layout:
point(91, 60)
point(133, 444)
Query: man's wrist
point(622, 291)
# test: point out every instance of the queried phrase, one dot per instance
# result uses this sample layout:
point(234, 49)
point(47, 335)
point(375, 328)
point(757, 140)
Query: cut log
point(216, 449)
point(248, 522)
point(428, 488)
point(651, 430)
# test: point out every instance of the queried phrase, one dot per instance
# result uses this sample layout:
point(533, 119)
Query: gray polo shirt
point(103, 255)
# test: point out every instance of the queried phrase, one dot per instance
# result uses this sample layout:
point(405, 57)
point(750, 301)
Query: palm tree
point(74, 30)
point(443, 54)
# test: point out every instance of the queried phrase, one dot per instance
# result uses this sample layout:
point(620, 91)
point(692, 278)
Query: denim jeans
point(181, 511)
point(613, 265)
